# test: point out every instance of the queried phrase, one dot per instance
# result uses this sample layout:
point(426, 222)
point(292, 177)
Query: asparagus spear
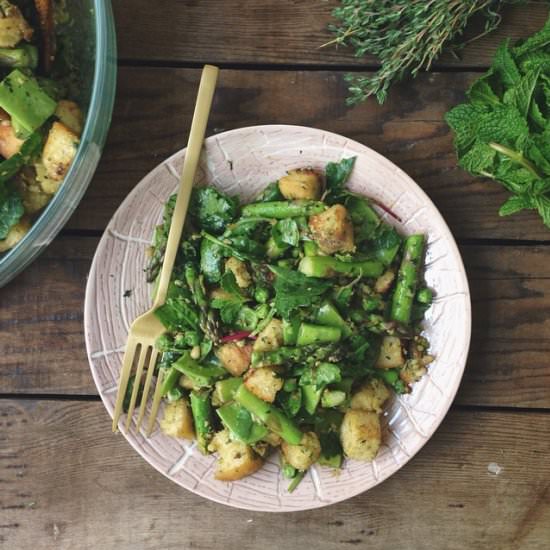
point(309, 334)
point(201, 376)
point(271, 416)
point(326, 267)
point(407, 279)
point(201, 409)
point(330, 316)
point(282, 209)
point(224, 390)
point(207, 321)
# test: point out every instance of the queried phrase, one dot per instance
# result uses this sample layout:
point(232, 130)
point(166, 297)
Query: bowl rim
point(52, 219)
point(467, 317)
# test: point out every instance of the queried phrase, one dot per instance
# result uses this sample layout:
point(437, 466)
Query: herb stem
point(515, 156)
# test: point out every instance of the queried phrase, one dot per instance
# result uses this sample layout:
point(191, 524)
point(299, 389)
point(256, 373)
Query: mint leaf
point(478, 159)
point(539, 40)
point(515, 204)
point(542, 203)
point(536, 115)
point(538, 154)
point(505, 67)
point(481, 93)
point(521, 94)
point(11, 210)
point(503, 124)
point(535, 60)
point(464, 121)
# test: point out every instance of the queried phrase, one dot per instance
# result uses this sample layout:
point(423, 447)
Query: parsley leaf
point(212, 210)
point(294, 290)
point(11, 210)
point(231, 303)
point(337, 174)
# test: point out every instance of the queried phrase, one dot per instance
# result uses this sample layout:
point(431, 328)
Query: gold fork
point(147, 328)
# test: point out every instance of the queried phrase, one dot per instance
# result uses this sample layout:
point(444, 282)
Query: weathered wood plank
point(154, 109)
point(41, 333)
point(63, 474)
point(262, 31)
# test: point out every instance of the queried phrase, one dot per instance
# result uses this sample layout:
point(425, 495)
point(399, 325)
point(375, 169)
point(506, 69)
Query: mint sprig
point(503, 131)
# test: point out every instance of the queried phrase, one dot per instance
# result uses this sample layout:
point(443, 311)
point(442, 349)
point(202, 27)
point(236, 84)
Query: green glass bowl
point(95, 55)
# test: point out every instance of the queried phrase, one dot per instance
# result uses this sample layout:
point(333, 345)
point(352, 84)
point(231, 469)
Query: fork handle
point(192, 155)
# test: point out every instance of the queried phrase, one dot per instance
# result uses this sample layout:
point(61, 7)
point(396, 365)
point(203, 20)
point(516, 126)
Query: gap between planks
point(97, 398)
point(313, 67)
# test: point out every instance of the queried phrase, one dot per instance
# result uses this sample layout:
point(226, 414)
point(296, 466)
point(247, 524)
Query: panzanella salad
point(40, 124)
point(289, 322)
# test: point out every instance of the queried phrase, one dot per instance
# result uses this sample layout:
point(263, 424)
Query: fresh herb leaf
point(337, 175)
point(405, 36)
point(294, 290)
point(286, 232)
point(504, 65)
point(178, 314)
point(231, 304)
point(503, 132)
point(515, 204)
point(212, 210)
point(11, 210)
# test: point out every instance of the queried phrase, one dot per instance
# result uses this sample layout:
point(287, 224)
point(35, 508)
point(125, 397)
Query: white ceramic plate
point(241, 162)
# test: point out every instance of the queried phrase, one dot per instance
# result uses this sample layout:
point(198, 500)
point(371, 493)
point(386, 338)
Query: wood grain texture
point(263, 31)
point(41, 332)
point(69, 483)
point(154, 108)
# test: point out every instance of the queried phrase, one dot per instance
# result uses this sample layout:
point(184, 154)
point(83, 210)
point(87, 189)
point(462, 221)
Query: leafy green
point(337, 175)
point(503, 132)
point(11, 210)
point(230, 305)
point(212, 210)
point(286, 232)
point(294, 290)
point(178, 313)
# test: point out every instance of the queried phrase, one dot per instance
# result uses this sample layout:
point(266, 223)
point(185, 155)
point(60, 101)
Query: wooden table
point(483, 481)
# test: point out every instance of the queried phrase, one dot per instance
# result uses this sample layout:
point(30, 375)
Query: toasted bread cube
point(271, 337)
point(391, 353)
point(59, 151)
point(360, 434)
point(333, 230)
point(301, 184)
point(413, 371)
point(371, 396)
point(33, 196)
point(13, 26)
point(235, 459)
point(69, 113)
point(235, 357)
point(303, 455)
point(48, 185)
point(15, 234)
point(238, 268)
point(384, 282)
point(10, 144)
point(263, 383)
point(177, 420)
